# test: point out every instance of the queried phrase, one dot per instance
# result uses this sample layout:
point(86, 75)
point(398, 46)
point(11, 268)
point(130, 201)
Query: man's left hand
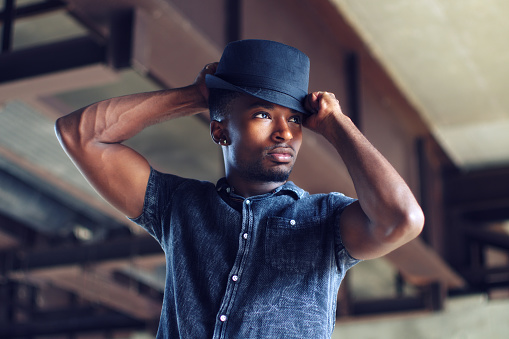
point(324, 106)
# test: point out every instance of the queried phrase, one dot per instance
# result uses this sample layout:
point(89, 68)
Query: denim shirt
point(268, 266)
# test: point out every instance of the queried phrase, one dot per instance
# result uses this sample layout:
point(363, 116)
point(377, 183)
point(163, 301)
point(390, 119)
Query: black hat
point(268, 70)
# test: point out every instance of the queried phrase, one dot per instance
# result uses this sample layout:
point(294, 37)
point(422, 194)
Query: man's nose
point(282, 131)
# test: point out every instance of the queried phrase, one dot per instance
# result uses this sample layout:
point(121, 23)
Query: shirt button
point(248, 202)
point(223, 318)
point(292, 222)
point(228, 190)
point(244, 236)
point(235, 277)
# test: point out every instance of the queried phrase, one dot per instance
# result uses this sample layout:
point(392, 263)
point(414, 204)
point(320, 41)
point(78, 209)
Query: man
point(253, 256)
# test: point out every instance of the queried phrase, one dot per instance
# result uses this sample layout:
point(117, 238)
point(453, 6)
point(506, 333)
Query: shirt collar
point(287, 188)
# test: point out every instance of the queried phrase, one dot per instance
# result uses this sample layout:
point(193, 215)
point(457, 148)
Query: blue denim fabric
point(264, 267)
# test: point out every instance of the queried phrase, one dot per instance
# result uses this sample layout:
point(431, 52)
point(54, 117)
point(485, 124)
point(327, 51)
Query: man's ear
point(219, 133)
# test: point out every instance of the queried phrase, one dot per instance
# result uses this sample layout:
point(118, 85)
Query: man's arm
point(386, 215)
point(92, 137)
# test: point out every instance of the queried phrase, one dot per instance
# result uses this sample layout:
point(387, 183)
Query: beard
point(255, 171)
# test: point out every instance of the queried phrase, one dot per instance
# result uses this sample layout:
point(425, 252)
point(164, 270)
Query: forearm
point(383, 195)
point(118, 119)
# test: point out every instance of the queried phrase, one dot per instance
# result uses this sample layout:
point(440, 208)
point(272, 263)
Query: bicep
point(358, 234)
point(118, 173)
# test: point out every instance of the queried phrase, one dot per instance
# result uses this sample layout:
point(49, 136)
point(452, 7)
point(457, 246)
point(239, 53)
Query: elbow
point(414, 222)
point(67, 133)
point(410, 225)
point(62, 131)
point(59, 127)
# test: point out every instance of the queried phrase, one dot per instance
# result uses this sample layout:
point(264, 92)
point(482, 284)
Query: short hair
point(219, 103)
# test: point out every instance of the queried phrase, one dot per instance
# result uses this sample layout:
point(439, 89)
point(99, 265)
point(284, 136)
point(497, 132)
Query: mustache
point(284, 147)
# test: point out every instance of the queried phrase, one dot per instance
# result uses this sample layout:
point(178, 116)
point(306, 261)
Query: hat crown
point(266, 69)
point(264, 59)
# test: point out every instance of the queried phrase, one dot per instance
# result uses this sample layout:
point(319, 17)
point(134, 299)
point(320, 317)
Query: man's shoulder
point(291, 186)
point(176, 183)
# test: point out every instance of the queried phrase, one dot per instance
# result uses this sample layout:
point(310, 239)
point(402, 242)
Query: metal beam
point(233, 9)
point(430, 298)
point(40, 210)
point(114, 249)
point(383, 306)
point(352, 74)
point(100, 287)
point(495, 239)
point(121, 38)
point(34, 9)
point(49, 84)
point(23, 234)
point(487, 274)
point(58, 56)
point(478, 190)
point(86, 323)
point(421, 265)
point(8, 23)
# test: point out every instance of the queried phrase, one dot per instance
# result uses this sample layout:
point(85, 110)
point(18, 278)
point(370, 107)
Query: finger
point(312, 102)
point(211, 67)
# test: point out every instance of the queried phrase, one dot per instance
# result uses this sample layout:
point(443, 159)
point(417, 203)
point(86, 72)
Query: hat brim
point(269, 95)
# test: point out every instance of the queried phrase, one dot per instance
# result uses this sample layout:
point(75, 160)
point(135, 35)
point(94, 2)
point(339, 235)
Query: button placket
point(232, 286)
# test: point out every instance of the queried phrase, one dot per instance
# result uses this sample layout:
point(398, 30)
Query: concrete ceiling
point(450, 58)
point(436, 52)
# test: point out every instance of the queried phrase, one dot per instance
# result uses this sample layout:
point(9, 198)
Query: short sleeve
point(337, 203)
point(158, 197)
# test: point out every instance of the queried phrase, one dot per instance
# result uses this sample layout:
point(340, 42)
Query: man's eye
point(262, 115)
point(296, 119)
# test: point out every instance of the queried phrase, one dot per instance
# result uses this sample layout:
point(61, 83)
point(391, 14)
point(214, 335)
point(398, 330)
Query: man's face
point(264, 140)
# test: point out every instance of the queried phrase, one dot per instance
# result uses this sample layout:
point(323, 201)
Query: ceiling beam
point(19, 232)
point(120, 40)
point(8, 25)
point(487, 237)
point(7, 242)
point(34, 9)
point(96, 286)
point(233, 20)
point(57, 82)
point(478, 190)
point(85, 323)
point(45, 211)
point(123, 248)
point(420, 265)
point(353, 88)
point(89, 272)
point(57, 56)
point(169, 48)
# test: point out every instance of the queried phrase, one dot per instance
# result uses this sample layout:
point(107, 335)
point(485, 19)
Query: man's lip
point(281, 154)
point(282, 150)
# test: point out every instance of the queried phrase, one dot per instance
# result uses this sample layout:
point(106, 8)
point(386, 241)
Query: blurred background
point(425, 80)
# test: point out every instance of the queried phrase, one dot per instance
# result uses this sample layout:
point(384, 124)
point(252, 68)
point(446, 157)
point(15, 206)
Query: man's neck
point(252, 188)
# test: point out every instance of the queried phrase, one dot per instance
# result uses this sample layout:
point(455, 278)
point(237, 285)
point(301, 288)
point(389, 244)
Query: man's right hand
point(199, 82)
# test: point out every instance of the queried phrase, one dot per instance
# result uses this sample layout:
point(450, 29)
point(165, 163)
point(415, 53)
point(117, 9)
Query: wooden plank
point(421, 265)
point(7, 241)
point(96, 286)
point(478, 189)
point(64, 81)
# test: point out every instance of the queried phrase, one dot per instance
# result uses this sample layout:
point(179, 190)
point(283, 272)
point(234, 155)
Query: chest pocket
point(293, 245)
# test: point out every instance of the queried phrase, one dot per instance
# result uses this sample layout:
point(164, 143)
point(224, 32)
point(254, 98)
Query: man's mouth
point(281, 154)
